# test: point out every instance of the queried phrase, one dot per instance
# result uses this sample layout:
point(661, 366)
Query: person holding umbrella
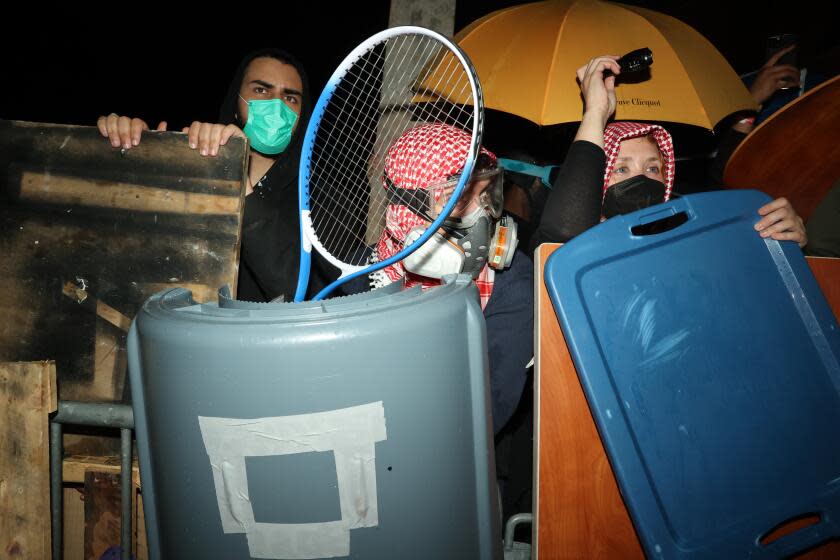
point(625, 166)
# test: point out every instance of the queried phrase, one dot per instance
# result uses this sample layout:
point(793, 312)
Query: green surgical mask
point(270, 124)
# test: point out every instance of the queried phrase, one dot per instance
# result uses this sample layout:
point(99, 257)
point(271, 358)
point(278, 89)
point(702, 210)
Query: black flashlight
point(635, 61)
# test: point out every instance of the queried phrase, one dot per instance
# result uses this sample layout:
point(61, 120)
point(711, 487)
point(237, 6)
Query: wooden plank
point(74, 522)
point(142, 541)
point(100, 308)
point(76, 469)
point(27, 397)
point(88, 233)
point(578, 508)
point(102, 513)
point(162, 158)
point(73, 191)
point(81, 440)
point(76, 466)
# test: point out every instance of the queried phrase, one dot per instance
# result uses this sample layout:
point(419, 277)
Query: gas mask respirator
point(475, 233)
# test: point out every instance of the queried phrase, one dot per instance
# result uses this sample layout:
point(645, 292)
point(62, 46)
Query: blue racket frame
point(309, 142)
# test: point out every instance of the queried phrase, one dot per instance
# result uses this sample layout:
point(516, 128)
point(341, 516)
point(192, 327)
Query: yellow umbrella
point(526, 57)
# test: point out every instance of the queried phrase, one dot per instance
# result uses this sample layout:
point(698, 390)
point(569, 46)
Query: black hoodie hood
point(286, 162)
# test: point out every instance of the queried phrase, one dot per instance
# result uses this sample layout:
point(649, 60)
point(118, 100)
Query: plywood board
point(89, 232)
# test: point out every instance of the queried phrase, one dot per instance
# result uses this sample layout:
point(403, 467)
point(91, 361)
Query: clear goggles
point(485, 190)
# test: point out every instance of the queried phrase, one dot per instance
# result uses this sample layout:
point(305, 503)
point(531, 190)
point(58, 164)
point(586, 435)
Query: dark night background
point(71, 65)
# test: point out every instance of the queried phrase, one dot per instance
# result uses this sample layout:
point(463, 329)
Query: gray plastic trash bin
point(358, 427)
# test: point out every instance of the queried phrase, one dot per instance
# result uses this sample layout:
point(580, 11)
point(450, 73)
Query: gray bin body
point(393, 457)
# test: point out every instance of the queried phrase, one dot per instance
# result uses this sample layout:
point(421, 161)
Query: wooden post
point(27, 397)
point(437, 15)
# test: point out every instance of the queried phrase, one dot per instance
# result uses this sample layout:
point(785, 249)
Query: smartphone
point(775, 43)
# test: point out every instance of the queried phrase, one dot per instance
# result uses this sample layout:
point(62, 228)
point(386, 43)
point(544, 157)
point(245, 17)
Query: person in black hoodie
point(267, 102)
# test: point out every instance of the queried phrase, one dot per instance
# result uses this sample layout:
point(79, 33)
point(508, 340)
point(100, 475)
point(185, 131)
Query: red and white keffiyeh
point(423, 156)
point(616, 132)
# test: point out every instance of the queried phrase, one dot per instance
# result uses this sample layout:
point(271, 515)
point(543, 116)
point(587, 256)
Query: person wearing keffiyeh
point(625, 166)
point(421, 158)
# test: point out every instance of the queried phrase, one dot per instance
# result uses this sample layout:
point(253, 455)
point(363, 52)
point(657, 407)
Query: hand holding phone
point(782, 42)
point(781, 51)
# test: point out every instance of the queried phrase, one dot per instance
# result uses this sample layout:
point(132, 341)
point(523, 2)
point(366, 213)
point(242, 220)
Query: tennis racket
point(397, 79)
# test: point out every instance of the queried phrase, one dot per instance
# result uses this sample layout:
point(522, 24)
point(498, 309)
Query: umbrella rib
point(710, 125)
point(473, 27)
point(541, 116)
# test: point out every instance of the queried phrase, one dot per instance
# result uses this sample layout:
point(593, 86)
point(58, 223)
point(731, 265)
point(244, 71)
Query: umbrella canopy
point(526, 57)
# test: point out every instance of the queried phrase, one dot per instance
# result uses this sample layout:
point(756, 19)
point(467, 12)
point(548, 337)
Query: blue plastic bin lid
point(709, 358)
